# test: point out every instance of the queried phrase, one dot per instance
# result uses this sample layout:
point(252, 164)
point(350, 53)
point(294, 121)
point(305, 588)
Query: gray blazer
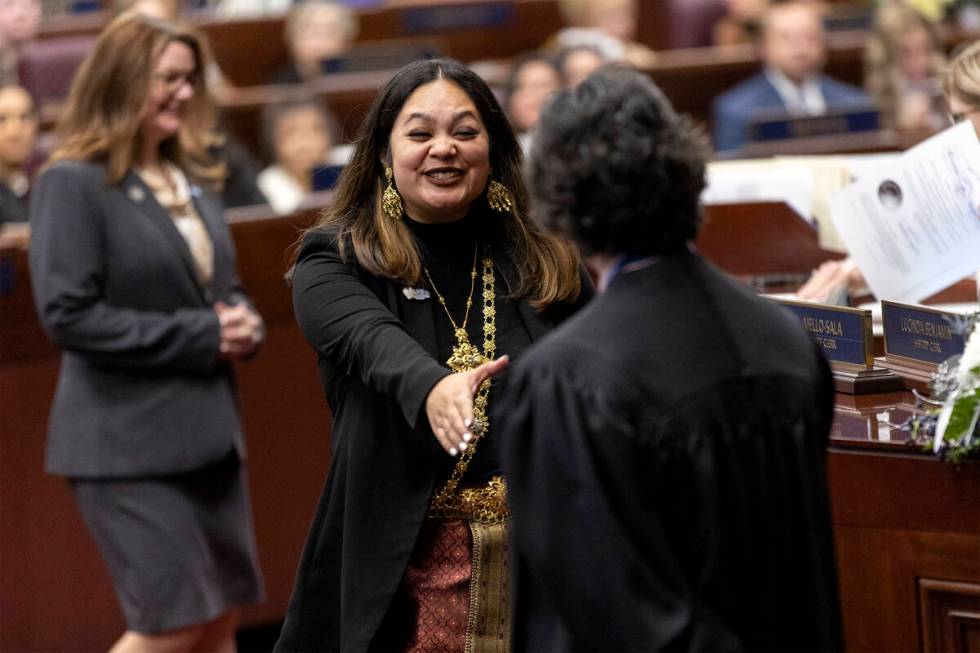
point(142, 390)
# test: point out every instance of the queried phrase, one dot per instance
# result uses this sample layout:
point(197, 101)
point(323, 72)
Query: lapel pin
point(416, 293)
point(136, 194)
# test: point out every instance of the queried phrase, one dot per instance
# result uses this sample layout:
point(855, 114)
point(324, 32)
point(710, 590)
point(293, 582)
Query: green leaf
point(963, 419)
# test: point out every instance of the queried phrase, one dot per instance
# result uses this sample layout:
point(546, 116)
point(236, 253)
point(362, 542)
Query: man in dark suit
point(664, 448)
point(793, 52)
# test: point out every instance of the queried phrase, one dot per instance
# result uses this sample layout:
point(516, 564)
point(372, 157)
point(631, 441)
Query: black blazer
point(142, 390)
point(376, 352)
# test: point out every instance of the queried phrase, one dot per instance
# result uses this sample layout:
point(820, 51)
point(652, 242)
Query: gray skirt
point(180, 549)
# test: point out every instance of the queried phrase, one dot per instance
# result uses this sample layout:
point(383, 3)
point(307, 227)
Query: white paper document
point(734, 182)
point(914, 226)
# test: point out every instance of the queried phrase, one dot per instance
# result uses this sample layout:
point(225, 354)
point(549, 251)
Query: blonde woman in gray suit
point(134, 279)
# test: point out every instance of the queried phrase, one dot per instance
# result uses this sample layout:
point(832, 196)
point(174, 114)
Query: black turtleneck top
point(447, 251)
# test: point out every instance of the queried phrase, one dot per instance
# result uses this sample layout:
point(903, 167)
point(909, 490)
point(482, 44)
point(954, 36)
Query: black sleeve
point(67, 262)
point(354, 331)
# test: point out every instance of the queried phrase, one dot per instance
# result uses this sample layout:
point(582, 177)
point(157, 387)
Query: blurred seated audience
point(252, 8)
point(316, 32)
point(532, 79)
point(741, 22)
point(903, 61)
point(793, 52)
point(299, 135)
point(609, 26)
point(20, 21)
point(835, 281)
point(577, 62)
point(163, 9)
point(241, 187)
point(18, 134)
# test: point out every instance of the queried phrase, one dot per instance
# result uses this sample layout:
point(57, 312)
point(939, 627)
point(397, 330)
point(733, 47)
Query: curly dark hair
point(615, 169)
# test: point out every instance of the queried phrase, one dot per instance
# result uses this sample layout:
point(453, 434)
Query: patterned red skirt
point(454, 596)
point(437, 585)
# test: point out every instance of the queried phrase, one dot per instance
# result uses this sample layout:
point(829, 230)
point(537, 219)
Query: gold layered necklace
point(485, 504)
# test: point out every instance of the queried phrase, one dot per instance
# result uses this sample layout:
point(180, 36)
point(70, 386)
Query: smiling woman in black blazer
point(134, 278)
point(423, 271)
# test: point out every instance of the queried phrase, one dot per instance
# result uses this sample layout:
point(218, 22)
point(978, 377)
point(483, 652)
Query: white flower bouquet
point(951, 428)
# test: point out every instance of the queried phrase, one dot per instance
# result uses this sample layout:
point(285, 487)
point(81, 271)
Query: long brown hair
point(548, 268)
point(108, 99)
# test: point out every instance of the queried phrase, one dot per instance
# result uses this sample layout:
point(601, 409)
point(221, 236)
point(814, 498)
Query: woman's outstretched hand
point(449, 405)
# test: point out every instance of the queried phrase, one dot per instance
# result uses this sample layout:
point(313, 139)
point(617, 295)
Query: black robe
point(665, 454)
point(379, 354)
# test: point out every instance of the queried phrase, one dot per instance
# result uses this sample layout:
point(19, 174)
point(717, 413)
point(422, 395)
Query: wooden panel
point(21, 337)
point(908, 490)
point(877, 574)
point(899, 516)
point(285, 416)
point(950, 616)
point(765, 238)
point(964, 290)
point(54, 589)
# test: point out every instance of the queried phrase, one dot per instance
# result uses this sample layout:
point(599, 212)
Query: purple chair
point(46, 67)
point(690, 22)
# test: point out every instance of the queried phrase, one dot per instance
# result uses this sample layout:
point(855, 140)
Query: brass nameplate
point(843, 334)
point(920, 333)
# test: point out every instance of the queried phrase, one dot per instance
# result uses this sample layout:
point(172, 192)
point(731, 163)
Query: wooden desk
point(764, 243)
point(907, 534)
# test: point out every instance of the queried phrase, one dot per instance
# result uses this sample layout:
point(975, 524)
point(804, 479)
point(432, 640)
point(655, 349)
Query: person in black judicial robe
point(665, 446)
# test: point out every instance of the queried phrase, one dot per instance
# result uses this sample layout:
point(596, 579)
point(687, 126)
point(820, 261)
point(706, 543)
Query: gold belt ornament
point(486, 504)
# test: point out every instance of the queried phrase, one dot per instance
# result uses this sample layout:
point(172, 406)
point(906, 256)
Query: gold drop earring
point(499, 197)
point(391, 201)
